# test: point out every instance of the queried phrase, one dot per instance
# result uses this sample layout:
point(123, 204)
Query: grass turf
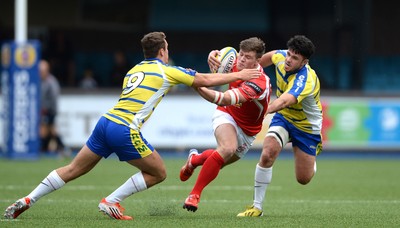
point(345, 193)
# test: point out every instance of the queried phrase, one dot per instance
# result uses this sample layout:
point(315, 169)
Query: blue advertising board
point(21, 99)
point(385, 124)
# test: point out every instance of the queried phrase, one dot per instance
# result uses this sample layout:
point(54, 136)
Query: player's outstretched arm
point(216, 79)
point(284, 101)
point(229, 97)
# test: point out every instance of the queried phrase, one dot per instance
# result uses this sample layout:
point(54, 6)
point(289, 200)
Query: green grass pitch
point(349, 192)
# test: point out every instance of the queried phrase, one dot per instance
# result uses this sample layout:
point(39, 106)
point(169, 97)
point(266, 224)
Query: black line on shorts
point(276, 133)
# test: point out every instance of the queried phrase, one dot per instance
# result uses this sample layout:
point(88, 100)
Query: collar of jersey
point(154, 59)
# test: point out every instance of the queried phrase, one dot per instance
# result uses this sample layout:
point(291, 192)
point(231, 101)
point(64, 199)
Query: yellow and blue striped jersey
point(303, 84)
point(143, 88)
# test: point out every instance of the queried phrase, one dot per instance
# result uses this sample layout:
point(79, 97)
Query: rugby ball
point(227, 56)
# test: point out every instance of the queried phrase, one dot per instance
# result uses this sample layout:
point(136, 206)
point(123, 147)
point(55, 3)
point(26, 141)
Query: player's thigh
point(304, 165)
point(226, 136)
point(225, 130)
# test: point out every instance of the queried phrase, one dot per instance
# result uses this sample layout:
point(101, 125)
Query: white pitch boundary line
point(168, 187)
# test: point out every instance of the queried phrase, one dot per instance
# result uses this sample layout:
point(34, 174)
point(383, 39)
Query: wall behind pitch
point(185, 121)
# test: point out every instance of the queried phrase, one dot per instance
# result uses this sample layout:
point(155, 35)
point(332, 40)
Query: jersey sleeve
point(300, 86)
point(253, 89)
point(179, 75)
point(279, 56)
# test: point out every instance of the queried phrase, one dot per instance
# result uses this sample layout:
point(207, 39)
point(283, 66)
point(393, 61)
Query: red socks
point(208, 172)
point(201, 158)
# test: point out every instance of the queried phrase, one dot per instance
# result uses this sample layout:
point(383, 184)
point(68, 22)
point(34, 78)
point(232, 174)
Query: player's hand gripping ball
point(227, 56)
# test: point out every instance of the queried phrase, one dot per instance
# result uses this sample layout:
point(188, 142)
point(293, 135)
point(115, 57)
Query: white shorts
point(244, 141)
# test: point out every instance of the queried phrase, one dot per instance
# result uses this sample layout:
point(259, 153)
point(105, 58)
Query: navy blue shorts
point(309, 143)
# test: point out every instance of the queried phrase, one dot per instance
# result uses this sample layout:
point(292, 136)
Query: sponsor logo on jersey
point(300, 82)
point(254, 86)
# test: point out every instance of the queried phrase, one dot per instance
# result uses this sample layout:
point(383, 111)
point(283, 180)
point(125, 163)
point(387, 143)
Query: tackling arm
point(284, 101)
point(208, 80)
point(229, 97)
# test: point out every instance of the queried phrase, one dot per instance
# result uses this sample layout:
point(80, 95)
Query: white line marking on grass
point(311, 201)
point(168, 187)
point(341, 201)
point(9, 220)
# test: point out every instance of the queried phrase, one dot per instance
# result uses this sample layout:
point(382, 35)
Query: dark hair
point(253, 44)
point(152, 43)
point(301, 45)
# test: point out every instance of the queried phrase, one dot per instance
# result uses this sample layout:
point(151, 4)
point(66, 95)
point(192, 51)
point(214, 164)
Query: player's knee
point(161, 176)
point(227, 151)
point(155, 176)
point(303, 179)
point(231, 148)
point(268, 156)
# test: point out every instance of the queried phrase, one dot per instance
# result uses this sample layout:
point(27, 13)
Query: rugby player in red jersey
point(236, 122)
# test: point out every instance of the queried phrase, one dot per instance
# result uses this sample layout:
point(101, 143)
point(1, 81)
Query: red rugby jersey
point(250, 115)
